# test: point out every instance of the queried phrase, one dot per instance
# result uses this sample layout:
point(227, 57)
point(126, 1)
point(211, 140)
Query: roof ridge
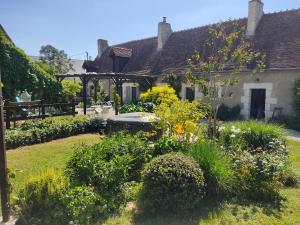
point(282, 11)
point(137, 40)
point(209, 25)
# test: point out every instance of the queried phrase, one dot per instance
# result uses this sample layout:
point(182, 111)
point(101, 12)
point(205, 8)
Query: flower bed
point(246, 162)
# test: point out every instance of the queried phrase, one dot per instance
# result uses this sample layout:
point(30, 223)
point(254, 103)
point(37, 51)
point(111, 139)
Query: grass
point(29, 160)
point(230, 213)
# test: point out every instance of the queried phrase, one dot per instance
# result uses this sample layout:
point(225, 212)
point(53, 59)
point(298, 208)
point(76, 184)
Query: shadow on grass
point(181, 218)
point(210, 207)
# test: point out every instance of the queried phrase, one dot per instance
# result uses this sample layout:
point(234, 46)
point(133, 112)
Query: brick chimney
point(255, 13)
point(102, 46)
point(164, 32)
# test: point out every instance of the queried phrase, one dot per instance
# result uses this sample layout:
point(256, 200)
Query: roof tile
point(278, 35)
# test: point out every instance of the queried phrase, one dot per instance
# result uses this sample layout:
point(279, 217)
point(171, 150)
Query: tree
point(71, 88)
point(57, 60)
point(226, 54)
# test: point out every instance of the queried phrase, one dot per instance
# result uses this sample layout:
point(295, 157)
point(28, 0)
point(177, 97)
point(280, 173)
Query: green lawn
point(231, 213)
point(29, 160)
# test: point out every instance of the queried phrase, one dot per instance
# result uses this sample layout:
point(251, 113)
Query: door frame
point(246, 98)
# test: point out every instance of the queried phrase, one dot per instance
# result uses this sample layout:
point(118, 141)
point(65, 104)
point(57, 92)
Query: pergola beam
point(100, 76)
point(118, 78)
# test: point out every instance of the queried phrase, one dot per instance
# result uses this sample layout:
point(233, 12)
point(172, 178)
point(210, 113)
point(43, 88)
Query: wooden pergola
point(117, 78)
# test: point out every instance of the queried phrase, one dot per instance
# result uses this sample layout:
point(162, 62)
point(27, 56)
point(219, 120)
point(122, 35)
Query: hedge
point(39, 131)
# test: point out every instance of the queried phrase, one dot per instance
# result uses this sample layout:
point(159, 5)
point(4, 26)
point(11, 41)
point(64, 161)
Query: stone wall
point(279, 91)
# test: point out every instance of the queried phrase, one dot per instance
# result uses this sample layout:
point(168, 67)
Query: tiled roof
point(120, 52)
point(278, 35)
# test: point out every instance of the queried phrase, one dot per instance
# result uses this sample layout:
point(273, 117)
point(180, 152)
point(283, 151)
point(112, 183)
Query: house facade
point(275, 34)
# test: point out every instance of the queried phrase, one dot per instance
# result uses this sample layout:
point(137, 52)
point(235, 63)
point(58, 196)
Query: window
point(189, 94)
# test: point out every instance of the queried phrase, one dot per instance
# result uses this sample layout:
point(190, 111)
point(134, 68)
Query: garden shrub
point(139, 107)
point(107, 165)
point(84, 206)
point(159, 95)
point(122, 144)
point(132, 190)
point(167, 144)
point(49, 199)
point(172, 182)
point(229, 114)
point(259, 155)
point(71, 88)
point(215, 165)
point(257, 176)
point(180, 119)
point(89, 166)
point(39, 131)
point(253, 136)
point(39, 201)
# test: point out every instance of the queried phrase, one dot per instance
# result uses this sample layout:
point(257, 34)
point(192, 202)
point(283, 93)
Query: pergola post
point(120, 89)
point(84, 84)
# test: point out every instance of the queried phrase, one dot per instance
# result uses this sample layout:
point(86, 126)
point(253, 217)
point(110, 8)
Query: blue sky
point(75, 25)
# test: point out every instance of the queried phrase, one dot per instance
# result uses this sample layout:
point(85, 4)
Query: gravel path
point(12, 221)
point(293, 135)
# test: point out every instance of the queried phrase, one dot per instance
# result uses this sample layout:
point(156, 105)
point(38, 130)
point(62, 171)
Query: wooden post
point(119, 89)
point(73, 106)
point(121, 92)
point(43, 109)
point(7, 117)
point(117, 96)
point(84, 81)
point(3, 165)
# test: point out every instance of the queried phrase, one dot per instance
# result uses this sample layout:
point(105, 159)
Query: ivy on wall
point(19, 72)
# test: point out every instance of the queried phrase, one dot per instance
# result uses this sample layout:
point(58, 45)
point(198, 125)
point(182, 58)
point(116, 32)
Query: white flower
point(221, 128)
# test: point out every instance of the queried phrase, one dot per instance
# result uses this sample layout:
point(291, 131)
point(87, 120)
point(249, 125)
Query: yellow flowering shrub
point(159, 95)
point(180, 118)
point(178, 130)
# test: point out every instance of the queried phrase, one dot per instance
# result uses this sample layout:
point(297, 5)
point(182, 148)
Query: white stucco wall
point(127, 97)
point(278, 85)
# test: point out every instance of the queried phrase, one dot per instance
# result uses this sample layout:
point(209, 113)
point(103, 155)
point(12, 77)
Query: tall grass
point(253, 136)
point(216, 167)
point(259, 127)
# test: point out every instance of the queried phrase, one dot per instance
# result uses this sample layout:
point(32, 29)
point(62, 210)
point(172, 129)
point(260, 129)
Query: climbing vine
point(19, 72)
